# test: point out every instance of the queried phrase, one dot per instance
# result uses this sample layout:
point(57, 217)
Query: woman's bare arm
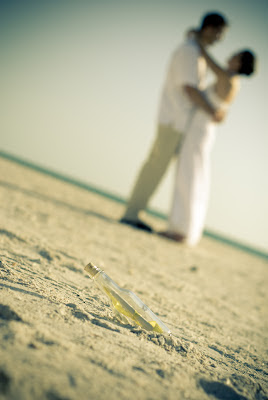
point(213, 65)
point(198, 99)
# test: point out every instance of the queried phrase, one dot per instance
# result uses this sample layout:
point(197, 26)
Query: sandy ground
point(59, 339)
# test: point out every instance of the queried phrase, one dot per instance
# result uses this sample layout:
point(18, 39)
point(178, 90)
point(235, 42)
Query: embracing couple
point(187, 117)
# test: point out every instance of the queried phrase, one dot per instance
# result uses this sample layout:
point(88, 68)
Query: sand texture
point(59, 338)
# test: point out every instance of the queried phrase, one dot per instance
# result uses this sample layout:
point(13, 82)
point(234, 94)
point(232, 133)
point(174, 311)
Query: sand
point(59, 338)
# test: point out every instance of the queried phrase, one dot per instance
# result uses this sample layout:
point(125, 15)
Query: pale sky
point(80, 85)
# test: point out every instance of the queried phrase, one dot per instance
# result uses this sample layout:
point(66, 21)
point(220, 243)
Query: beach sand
point(59, 338)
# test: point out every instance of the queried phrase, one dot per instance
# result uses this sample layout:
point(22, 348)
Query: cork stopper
point(92, 270)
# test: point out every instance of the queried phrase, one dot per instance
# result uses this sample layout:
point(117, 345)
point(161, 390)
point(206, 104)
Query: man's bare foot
point(176, 237)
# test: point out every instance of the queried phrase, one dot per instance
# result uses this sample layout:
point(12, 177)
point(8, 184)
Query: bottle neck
point(92, 270)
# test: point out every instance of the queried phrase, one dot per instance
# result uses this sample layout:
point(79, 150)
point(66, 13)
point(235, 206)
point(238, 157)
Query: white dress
point(192, 177)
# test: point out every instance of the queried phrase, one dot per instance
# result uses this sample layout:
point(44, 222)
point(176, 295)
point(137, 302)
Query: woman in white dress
point(191, 189)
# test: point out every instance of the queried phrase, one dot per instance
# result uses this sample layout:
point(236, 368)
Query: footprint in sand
point(7, 314)
point(46, 254)
point(77, 313)
point(11, 235)
point(4, 382)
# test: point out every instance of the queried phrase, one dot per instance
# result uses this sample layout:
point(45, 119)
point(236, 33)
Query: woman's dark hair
point(247, 62)
point(213, 19)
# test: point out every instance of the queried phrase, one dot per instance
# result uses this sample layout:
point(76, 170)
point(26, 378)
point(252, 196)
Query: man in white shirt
point(182, 93)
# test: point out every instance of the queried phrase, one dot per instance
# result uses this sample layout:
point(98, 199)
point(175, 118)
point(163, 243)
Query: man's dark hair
point(247, 63)
point(213, 19)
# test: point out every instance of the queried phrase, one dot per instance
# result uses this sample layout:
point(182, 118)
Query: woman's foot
point(175, 236)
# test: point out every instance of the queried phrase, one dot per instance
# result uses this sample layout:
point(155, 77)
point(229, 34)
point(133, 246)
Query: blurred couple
point(188, 114)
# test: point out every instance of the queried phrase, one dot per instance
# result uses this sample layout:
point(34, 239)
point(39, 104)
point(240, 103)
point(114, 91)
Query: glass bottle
point(127, 306)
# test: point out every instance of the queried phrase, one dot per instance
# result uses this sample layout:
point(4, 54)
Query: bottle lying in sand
point(126, 305)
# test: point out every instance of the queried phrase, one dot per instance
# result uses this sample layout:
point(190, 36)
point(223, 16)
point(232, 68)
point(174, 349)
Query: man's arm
point(197, 97)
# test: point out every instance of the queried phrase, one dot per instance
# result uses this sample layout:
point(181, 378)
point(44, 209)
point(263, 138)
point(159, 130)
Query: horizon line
point(158, 214)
